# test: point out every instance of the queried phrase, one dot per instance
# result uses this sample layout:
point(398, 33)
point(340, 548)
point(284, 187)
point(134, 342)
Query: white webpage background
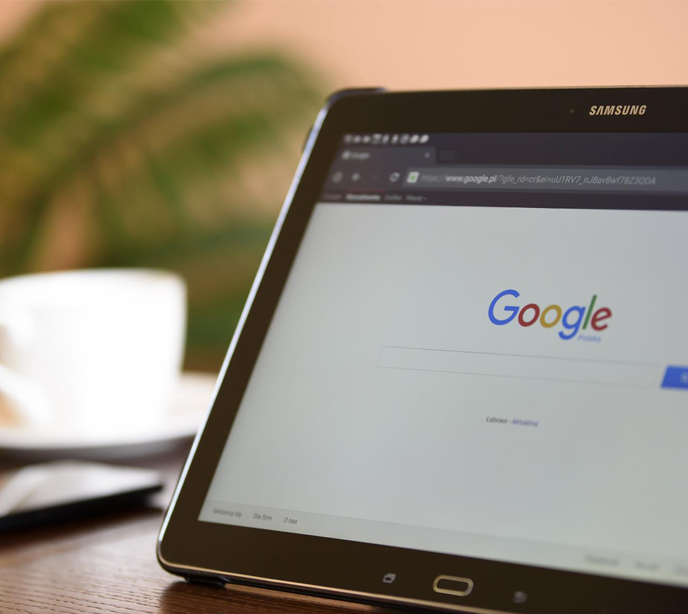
point(321, 429)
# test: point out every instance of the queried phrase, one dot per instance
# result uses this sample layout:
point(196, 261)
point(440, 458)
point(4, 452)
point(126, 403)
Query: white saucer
point(180, 422)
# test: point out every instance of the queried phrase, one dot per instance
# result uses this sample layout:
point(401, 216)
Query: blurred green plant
point(122, 144)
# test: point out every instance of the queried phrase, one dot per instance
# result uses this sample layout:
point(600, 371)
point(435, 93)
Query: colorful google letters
point(501, 312)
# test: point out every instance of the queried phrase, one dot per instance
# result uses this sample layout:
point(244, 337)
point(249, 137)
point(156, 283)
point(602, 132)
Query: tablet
point(461, 378)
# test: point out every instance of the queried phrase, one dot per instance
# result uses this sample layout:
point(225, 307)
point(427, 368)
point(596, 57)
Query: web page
point(508, 383)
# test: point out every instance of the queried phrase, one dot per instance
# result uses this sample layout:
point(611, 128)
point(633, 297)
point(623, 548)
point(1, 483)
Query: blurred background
point(164, 134)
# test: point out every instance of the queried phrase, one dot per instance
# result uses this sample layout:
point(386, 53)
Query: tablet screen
point(481, 349)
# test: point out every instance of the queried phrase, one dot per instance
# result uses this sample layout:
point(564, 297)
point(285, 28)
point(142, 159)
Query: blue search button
point(676, 377)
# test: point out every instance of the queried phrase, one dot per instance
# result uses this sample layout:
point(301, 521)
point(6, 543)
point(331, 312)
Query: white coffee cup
point(91, 351)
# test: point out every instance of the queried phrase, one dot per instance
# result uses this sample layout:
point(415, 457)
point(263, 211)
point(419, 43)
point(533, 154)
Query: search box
point(549, 368)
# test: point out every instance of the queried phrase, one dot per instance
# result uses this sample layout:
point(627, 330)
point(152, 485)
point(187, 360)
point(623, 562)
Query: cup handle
point(27, 399)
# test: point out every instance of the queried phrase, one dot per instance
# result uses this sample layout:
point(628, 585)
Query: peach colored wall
point(453, 44)
point(12, 13)
point(457, 43)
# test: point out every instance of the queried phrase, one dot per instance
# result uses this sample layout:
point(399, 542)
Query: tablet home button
point(453, 585)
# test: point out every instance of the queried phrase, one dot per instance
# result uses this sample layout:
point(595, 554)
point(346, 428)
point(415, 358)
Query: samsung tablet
point(461, 377)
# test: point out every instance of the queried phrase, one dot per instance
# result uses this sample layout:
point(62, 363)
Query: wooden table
point(107, 565)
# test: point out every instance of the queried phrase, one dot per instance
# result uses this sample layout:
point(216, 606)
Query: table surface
point(106, 564)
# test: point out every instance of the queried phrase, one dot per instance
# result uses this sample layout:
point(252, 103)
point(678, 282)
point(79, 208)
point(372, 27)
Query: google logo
point(571, 320)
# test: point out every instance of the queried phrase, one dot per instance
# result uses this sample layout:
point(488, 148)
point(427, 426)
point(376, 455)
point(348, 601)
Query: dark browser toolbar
point(434, 169)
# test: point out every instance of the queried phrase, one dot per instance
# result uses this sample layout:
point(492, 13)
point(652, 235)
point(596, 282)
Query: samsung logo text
point(618, 109)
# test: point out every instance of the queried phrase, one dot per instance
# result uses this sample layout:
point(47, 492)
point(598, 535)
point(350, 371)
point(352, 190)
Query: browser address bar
point(565, 178)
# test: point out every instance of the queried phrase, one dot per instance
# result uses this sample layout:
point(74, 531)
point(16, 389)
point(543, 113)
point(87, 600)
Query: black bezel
point(353, 570)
